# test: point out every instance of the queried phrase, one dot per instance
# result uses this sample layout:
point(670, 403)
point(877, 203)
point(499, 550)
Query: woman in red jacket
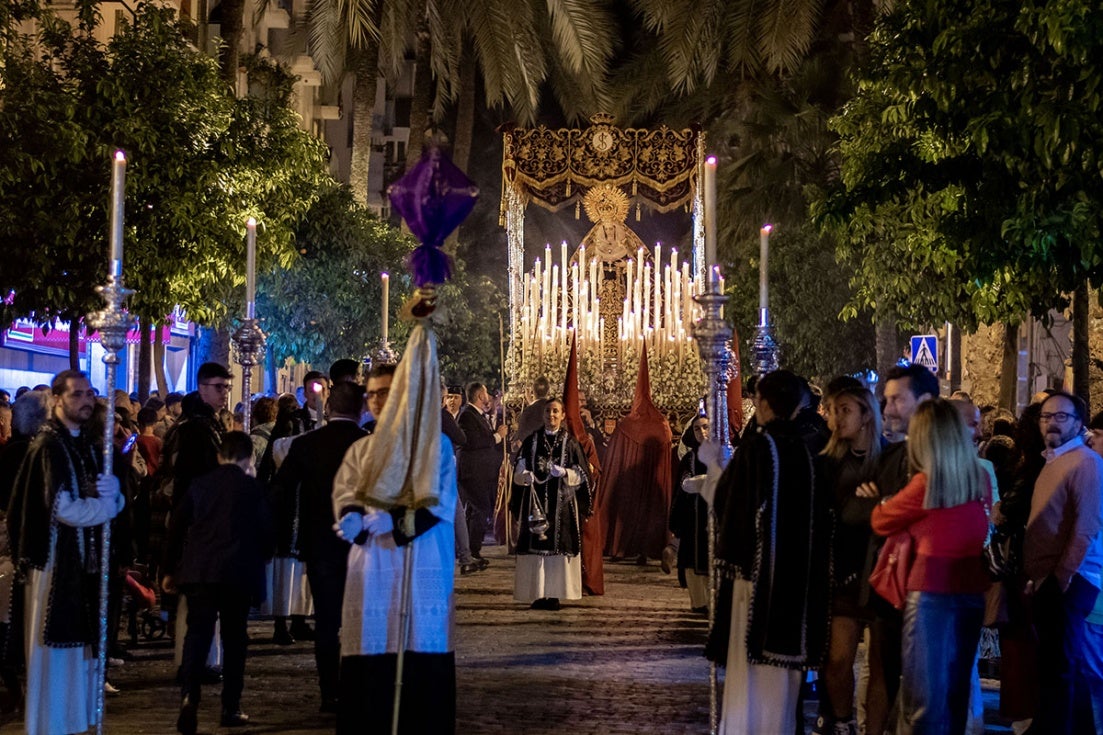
point(943, 507)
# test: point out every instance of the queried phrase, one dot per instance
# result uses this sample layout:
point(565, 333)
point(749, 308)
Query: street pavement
point(627, 662)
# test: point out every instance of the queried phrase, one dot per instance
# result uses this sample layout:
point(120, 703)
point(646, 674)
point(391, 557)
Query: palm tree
point(507, 39)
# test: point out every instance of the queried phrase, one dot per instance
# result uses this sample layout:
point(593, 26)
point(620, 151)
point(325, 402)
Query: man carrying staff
point(60, 501)
point(394, 497)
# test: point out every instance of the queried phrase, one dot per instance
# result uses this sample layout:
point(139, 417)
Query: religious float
point(613, 293)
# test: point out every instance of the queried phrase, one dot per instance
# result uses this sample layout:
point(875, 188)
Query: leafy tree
point(326, 304)
point(201, 161)
point(970, 185)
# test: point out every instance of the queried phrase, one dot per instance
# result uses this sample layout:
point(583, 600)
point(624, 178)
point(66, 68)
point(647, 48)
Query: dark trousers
point(884, 652)
point(327, 585)
point(1064, 702)
point(428, 694)
point(940, 637)
point(479, 503)
point(206, 603)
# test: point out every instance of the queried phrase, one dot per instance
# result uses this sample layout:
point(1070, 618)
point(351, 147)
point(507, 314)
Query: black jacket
point(306, 475)
point(480, 458)
point(191, 446)
point(221, 533)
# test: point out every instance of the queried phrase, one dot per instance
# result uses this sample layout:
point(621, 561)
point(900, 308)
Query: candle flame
point(711, 160)
point(385, 276)
point(251, 222)
point(120, 156)
point(767, 229)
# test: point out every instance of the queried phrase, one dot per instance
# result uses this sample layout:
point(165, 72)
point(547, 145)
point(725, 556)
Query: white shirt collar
point(1074, 443)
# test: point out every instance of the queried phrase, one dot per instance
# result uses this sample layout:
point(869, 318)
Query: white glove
point(709, 453)
point(693, 485)
point(378, 522)
point(107, 486)
point(350, 526)
point(556, 471)
point(524, 477)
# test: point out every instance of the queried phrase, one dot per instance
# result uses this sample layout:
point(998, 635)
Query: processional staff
point(112, 323)
point(248, 341)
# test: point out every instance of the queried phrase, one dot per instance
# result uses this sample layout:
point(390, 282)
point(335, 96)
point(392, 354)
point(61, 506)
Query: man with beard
point(60, 500)
point(479, 461)
point(1063, 558)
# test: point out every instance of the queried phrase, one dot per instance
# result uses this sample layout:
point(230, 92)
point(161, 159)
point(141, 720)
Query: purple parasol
point(434, 197)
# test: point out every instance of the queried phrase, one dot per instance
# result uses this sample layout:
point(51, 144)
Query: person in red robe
point(636, 490)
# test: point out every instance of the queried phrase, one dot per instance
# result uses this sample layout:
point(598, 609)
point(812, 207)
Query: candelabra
point(113, 322)
point(713, 337)
point(764, 347)
point(248, 351)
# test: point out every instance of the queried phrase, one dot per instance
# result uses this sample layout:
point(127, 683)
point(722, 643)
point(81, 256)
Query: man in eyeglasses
point(1063, 559)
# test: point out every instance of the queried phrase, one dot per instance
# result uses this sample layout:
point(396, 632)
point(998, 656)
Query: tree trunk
point(74, 345)
point(888, 347)
point(233, 16)
point(159, 364)
point(953, 364)
point(1009, 365)
point(1081, 355)
point(423, 95)
point(365, 68)
point(145, 359)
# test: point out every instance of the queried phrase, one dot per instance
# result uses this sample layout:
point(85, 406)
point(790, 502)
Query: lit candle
point(763, 266)
point(553, 301)
point(250, 268)
point(386, 305)
point(658, 314)
point(577, 297)
point(646, 296)
point(710, 213)
point(118, 189)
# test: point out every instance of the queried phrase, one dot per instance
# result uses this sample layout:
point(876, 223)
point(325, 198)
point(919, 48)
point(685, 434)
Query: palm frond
point(444, 59)
point(583, 34)
point(740, 35)
point(785, 33)
point(328, 38)
point(658, 14)
point(359, 17)
point(397, 34)
point(510, 53)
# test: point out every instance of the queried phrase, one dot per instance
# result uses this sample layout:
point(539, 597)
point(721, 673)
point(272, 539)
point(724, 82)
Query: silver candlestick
point(113, 323)
point(713, 337)
point(248, 351)
point(384, 354)
point(765, 347)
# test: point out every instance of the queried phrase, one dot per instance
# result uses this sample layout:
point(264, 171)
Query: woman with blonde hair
point(849, 459)
point(945, 509)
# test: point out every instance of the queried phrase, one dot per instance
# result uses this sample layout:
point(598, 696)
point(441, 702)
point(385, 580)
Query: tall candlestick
point(710, 213)
point(658, 314)
point(250, 268)
point(763, 266)
point(118, 189)
point(386, 316)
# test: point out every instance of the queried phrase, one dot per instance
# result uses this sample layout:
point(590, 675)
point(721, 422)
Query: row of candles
point(562, 298)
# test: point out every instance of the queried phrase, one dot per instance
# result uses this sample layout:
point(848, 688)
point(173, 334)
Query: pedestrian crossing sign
point(925, 351)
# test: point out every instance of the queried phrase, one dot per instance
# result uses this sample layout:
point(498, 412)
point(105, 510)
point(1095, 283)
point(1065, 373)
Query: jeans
point(1064, 702)
point(940, 637)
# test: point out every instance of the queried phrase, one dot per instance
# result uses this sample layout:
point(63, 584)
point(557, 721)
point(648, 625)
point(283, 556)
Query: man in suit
point(479, 462)
point(309, 469)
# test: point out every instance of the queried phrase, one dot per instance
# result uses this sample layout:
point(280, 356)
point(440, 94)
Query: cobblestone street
point(627, 662)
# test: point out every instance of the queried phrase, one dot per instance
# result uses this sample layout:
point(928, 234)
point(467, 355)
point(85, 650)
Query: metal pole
point(713, 337)
point(403, 632)
point(248, 348)
point(112, 323)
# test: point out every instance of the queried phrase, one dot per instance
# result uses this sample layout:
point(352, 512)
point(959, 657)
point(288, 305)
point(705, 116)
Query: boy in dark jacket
point(219, 539)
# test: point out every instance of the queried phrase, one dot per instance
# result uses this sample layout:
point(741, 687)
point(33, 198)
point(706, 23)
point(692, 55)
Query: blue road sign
point(925, 351)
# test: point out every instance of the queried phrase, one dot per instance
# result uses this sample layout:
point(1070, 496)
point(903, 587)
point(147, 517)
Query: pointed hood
point(644, 417)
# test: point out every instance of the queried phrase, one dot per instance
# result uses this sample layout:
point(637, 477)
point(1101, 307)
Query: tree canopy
point(200, 162)
point(970, 187)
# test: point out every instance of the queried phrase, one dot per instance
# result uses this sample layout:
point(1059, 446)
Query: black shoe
point(282, 638)
point(237, 718)
point(212, 675)
point(703, 610)
point(471, 568)
point(188, 721)
point(301, 632)
point(482, 563)
point(541, 604)
point(329, 705)
point(552, 603)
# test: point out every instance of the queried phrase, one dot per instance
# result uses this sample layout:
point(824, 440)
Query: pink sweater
point(1065, 518)
point(948, 541)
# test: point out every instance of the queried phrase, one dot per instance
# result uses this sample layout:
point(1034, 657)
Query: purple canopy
point(433, 197)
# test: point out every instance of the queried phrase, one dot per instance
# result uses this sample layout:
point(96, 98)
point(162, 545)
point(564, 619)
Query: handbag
point(889, 578)
point(1001, 555)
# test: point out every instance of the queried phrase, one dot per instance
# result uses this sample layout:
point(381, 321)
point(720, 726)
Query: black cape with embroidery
point(775, 531)
point(564, 518)
point(57, 462)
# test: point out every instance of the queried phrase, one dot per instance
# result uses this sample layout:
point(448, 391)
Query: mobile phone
point(130, 442)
